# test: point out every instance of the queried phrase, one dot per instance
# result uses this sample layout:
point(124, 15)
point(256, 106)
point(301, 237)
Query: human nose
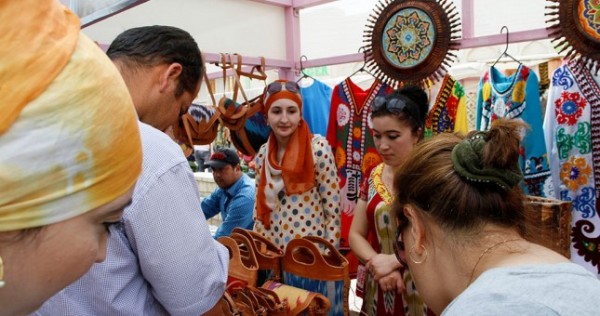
point(284, 117)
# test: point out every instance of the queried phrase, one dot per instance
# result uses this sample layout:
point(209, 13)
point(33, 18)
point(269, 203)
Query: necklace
point(488, 249)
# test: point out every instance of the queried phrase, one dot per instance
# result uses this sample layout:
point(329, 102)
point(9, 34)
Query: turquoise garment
point(517, 97)
point(316, 99)
point(236, 205)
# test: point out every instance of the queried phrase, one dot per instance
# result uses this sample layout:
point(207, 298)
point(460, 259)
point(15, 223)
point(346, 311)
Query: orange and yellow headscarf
point(69, 139)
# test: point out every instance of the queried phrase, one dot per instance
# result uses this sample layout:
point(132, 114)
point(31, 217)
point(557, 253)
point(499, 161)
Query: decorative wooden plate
point(409, 41)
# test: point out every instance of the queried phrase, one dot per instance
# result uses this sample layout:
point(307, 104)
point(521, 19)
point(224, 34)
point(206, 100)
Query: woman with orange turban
point(297, 187)
point(67, 167)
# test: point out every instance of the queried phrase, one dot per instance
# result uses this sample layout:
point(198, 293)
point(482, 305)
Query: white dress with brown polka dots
point(315, 212)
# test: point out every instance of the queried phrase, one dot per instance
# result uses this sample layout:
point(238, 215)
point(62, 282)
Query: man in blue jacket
point(235, 196)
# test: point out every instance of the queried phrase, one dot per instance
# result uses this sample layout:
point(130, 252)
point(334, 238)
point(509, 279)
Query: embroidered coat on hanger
point(447, 108)
point(518, 97)
point(351, 139)
point(572, 116)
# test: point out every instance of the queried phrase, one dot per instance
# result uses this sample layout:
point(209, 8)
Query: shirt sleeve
point(329, 191)
point(210, 204)
point(239, 214)
point(185, 267)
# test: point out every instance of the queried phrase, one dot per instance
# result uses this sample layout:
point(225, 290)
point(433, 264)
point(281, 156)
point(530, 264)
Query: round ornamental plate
point(575, 27)
point(410, 41)
point(408, 38)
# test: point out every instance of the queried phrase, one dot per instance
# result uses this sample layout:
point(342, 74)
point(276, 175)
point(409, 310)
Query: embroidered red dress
point(351, 139)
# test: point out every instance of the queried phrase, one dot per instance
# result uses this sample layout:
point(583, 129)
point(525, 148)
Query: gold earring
point(412, 251)
point(2, 283)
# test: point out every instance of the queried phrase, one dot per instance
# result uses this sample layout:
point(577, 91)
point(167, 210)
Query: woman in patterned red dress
point(398, 122)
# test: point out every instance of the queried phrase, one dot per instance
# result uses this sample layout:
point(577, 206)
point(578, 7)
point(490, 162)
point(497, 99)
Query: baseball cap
point(222, 157)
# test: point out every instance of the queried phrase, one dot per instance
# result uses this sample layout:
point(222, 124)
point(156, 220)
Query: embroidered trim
point(591, 91)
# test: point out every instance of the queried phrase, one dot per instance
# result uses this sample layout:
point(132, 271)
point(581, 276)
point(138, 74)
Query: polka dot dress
point(315, 212)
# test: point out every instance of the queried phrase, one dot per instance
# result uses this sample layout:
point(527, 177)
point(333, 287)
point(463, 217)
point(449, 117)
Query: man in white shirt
point(161, 258)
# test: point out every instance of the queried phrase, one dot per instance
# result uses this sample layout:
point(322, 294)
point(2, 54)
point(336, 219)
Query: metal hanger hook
point(507, 42)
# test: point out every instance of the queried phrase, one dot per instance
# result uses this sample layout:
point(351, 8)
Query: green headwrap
point(467, 161)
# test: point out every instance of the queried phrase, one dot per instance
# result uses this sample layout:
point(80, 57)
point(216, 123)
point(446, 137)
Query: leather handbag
point(226, 306)
point(550, 223)
point(267, 253)
point(314, 264)
point(200, 125)
point(246, 121)
point(298, 301)
point(243, 266)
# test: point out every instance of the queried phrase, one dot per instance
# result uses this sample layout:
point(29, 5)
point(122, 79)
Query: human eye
point(377, 136)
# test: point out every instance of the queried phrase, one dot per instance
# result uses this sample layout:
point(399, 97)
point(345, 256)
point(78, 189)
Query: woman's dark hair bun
point(419, 96)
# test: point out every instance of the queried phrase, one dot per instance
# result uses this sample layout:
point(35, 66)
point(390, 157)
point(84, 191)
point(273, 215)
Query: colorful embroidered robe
point(518, 97)
point(351, 139)
point(571, 128)
point(447, 108)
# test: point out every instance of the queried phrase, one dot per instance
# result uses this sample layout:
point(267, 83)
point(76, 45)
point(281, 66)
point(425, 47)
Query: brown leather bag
point(224, 307)
point(315, 258)
point(246, 121)
point(243, 266)
point(267, 253)
point(200, 125)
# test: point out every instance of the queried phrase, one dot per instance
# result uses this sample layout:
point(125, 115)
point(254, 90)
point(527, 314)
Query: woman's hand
point(381, 265)
point(392, 282)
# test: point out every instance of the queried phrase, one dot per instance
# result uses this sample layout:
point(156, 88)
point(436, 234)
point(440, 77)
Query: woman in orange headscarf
point(67, 168)
point(297, 187)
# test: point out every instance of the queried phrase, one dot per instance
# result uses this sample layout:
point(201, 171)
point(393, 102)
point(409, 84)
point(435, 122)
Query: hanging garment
point(447, 108)
point(517, 97)
point(316, 97)
point(351, 139)
point(570, 128)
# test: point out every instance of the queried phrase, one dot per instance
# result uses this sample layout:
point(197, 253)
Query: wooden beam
point(279, 3)
point(303, 4)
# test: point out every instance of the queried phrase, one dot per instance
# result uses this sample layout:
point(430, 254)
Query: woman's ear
point(170, 76)
point(416, 228)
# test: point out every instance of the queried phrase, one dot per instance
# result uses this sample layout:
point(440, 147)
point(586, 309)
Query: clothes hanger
point(505, 53)
point(304, 74)
point(363, 50)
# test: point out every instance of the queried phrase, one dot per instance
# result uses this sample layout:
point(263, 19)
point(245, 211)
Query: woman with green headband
point(70, 152)
point(461, 232)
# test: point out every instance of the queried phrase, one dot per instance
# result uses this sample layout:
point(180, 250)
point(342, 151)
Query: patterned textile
point(317, 98)
point(333, 290)
point(517, 97)
point(69, 141)
point(314, 212)
point(381, 235)
point(351, 139)
point(447, 108)
point(408, 37)
point(569, 131)
point(298, 300)
point(161, 258)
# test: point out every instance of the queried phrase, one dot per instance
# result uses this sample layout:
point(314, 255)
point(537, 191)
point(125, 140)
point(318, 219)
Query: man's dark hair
point(157, 44)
